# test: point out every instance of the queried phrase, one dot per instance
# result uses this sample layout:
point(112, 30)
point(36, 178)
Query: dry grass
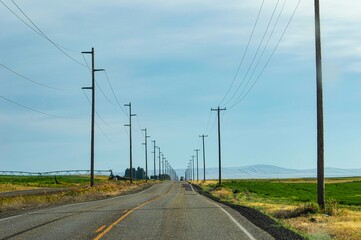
point(11, 187)
point(336, 222)
point(345, 225)
point(312, 180)
point(81, 194)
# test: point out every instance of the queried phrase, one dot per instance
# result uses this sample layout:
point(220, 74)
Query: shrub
point(331, 207)
point(307, 208)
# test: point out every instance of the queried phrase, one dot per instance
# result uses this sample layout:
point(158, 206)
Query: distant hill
point(270, 171)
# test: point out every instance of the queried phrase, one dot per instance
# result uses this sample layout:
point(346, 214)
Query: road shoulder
point(262, 221)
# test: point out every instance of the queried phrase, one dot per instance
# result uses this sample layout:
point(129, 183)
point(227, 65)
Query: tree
point(138, 173)
point(127, 173)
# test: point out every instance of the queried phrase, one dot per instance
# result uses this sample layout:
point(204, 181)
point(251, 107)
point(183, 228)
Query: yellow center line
point(100, 229)
point(126, 214)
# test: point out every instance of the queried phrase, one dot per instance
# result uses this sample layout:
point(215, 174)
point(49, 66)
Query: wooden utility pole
point(159, 169)
point(197, 150)
point(130, 140)
point(93, 70)
point(163, 158)
point(154, 146)
point(320, 137)
point(146, 153)
point(193, 178)
point(219, 144)
point(204, 157)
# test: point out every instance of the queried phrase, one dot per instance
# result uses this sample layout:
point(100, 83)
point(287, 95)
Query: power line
point(263, 51)
point(31, 80)
point(45, 36)
point(213, 125)
point(104, 134)
point(86, 63)
point(39, 31)
point(209, 118)
point(32, 109)
point(101, 90)
point(22, 19)
point(140, 127)
point(255, 55)
point(269, 59)
point(244, 53)
point(86, 96)
point(111, 87)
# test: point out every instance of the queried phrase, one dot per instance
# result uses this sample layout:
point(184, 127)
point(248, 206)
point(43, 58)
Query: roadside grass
point(79, 191)
point(293, 203)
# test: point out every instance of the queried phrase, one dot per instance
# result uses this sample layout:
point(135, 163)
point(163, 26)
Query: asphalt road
point(170, 210)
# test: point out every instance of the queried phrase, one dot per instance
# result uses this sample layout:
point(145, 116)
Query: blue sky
point(175, 60)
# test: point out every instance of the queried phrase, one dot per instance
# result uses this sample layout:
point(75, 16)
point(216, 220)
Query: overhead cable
point(263, 51)
point(244, 53)
point(32, 109)
point(39, 31)
point(270, 57)
point(116, 99)
point(31, 80)
point(255, 55)
point(106, 123)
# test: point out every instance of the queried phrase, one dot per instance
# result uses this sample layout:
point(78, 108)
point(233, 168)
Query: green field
point(293, 203)
point(345, 193)
point(47, 181)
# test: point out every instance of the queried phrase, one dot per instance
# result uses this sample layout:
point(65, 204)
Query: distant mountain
point(270, 171)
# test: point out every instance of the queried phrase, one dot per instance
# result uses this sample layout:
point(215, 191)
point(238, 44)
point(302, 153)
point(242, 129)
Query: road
point(171, 210)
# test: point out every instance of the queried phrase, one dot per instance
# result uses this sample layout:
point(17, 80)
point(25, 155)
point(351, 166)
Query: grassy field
point(293, 203)
point(77, 189)
point(13, 183)
point(344, 193)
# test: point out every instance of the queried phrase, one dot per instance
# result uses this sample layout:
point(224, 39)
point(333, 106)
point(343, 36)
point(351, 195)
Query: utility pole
point(320, 138)
point(197, 150)
point(190, 169)
point(154, 146)
point(159, 162)
point(163, 158)
point(93, 70)
point(219, 144)
point(146, 153)
point(204, 157)
point(193, 178)
point(130, 139)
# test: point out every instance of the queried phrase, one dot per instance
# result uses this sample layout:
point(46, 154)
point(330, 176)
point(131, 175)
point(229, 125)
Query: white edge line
point(72, 204)
point(232, 218)
point(192, 187)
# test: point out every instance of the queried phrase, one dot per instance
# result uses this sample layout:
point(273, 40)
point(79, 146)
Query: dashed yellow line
point(126, 214)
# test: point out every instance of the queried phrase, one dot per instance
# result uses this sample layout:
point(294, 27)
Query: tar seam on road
point(127, 213)
point(230, 216)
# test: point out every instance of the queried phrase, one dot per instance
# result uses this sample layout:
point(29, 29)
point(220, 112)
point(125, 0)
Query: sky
point(174, 61)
